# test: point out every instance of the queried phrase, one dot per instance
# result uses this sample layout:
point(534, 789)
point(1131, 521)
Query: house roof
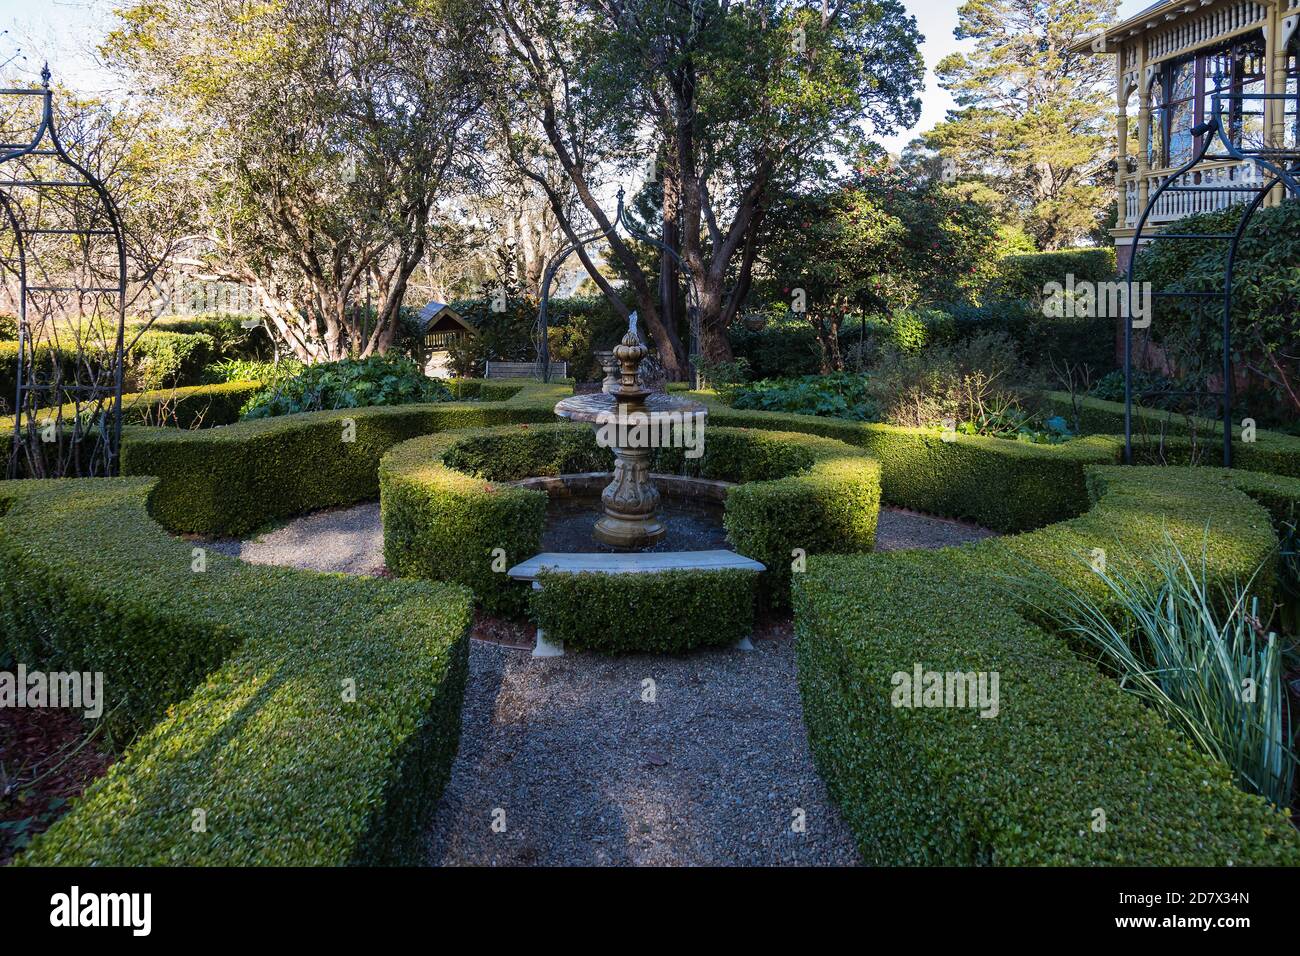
point(1155, 15)
point(436, 311)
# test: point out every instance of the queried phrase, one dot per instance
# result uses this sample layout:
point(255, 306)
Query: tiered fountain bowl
point(630, 502)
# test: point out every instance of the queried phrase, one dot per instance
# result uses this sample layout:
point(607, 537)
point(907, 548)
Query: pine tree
point(1033, 117)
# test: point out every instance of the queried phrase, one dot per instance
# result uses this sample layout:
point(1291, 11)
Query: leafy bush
point(1194, 651)
point(1025, 277)
point(245, 667)
point(785, 346)
point(1266, 303)
point(169, 359)
point(350, 383)
point(667, 612)
point(838, 395)
point(253, 370)
point(941, 785)
point(232, 340)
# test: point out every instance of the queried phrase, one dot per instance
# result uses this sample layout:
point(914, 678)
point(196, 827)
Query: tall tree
point(737, 100)
point(333, 130)
point(1032, 115)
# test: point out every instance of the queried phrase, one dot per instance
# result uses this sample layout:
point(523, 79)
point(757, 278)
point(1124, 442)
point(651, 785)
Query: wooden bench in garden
point(523, 370)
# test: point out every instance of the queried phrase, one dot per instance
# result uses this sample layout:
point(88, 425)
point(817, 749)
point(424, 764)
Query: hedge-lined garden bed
point(312, 718)
point(945, 786)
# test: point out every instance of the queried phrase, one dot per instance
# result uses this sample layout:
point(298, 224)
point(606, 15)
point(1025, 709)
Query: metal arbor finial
point(45, 75)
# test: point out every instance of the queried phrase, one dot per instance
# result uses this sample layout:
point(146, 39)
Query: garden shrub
point(1025, 277)
point(349, 383)
point(942, 785)
point(784, 347)
point(291, 773)
point(168, 359)
point(234, 479)
point(199, 406)
point(232, 340)
point(665, 612)
point(449, 525)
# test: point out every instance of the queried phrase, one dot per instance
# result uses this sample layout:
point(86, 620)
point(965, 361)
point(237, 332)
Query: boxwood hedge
point(667, 612)
point(945, 786)
point(445, 512)
point(313, 718)
point(1273, 452)
point(234, 479)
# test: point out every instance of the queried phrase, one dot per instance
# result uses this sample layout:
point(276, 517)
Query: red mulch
point(39, 774)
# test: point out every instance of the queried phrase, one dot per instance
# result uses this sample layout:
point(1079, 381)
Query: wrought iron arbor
point(1279, 167)
point(63, 243)
point(548, 279)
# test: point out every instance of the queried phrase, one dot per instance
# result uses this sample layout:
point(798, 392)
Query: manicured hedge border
point(288, 772)
point(445, 511)
point(945, 786)
point(199, 406)
point(234, 479)
point(1273, 452)
point(667, 612)
point(1005, 485)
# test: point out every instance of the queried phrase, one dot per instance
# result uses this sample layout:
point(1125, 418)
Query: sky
point(65, 32)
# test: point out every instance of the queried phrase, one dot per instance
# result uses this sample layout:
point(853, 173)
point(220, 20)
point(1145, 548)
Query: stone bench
point(629, 563)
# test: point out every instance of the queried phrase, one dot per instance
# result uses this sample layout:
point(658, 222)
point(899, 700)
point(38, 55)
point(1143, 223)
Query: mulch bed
point(45, 761)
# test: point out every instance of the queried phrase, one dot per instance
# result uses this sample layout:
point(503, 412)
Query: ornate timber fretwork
point(1188, 31)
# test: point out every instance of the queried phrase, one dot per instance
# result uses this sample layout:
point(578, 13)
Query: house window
point(1182, 98)
point(1293, 93)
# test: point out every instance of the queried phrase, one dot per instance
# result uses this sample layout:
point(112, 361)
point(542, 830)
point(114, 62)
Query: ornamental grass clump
point(1197, 653)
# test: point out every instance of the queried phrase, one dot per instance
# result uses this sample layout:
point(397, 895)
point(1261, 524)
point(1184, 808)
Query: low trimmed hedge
point(1007, 486)
point(238, 478)
point(668, 612)
point(945, 786)
point(445, 512)
point(245, 668)
point(1273, 452)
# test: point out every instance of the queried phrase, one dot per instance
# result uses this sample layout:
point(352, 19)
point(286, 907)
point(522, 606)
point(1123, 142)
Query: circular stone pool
point(692, 525)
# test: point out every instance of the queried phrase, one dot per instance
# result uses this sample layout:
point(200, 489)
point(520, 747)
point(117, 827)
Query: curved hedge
point(234, 479)
point(944, 785)
point(1274, 452)
point(245, 668)
point(445, 512)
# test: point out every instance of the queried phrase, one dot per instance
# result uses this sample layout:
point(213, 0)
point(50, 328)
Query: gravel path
point(347, 540)
point(584, 771)
point(562, 761)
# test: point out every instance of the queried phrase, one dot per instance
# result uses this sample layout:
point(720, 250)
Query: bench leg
point(545, 648)
point(744, 644)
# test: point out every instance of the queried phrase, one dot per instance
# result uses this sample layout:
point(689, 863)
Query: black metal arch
point(548, 278)
point(67, 418)
point(1281, 167)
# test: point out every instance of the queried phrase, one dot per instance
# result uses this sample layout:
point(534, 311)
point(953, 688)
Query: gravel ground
point(587, 773)
point(899, 529)
point(347, 540)
point(582, 771)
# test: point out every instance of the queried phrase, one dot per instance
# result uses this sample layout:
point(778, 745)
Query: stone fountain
point(633, 421)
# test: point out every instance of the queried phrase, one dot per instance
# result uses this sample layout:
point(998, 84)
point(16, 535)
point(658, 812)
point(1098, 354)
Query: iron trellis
point(68, 253)
point(1280, 167)
point(548, 278)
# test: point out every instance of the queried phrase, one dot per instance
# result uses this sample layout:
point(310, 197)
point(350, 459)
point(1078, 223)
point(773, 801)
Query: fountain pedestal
point(638, 419)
